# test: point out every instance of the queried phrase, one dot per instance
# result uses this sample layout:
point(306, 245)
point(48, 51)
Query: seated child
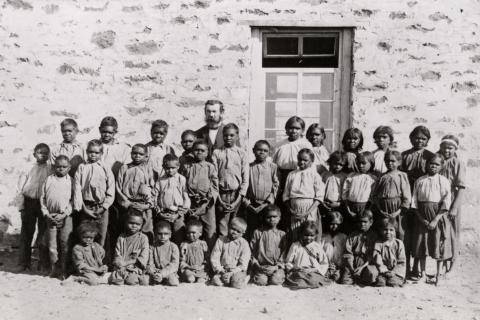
point(306, 263)
point(56, 204)
point(230, 256)
point(131, 252)
point(359, 252)
point(389, 256)
point(87, 256)
point(164, 257)
point(188, 138)
point(262, 186)
point(333, 243)
point(268, 246)
point(194, 254)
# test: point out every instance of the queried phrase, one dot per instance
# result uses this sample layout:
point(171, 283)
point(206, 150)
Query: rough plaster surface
point(415, 62)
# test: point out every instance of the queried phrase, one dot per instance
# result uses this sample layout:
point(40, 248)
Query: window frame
point(300, 38)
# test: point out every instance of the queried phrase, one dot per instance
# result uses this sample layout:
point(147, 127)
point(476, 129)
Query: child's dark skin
point(139, 156)
point(388, 234)
point(200, 153)
point(193, 234)
point(86, 239)
point(261, 151)
point(172, 213)
point(230, 137)
point(364, 225)
point(382, 140)
point(316, 137)
point(335, 168)
point(294, 131)
point(364, 167)
point(187, 142)
point(304, 162)
point(107, 134)
point(94, 153)
point(272, 218)
point(392, 164)
point(133, 226)
point(69, 133)
point(158, 135)
point(352, 142)
point(419, 141)
point(162, 236)
point(41, 155)
point(62, 167)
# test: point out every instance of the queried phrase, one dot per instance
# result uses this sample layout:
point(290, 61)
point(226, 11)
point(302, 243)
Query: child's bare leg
point(437, 276)
point(422, 267)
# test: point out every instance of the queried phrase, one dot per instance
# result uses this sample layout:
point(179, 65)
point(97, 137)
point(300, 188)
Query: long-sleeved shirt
point(156, 154)
point(393, 184)
point(391, 254)
point(30, 184)
point(193, 254)
point(202, 179)
point(115, 155)
point(380, 167)
point(263, 182)
point(434, 188)
point(309, 256)
point(172, 191)
point(164, 257)
point(230, 254)
point(333, 185)
point(232, 169)
point(358, 187)
point(334, 247)
point(268, 246)
point(359, 248)
point(286, 153)
point(93, 182)
point(84, 257)
point(74, 151)
point(57, 196)
point(130, 245)
point(414, 163)
point(454, 170)
point(321, 155)
point(135, 183)
point(305, 184)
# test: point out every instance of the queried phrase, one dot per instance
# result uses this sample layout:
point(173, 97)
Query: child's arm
point(348, 255)
point(77, 189)
point(459, 184)
point(400, 267)
point(151, 269)
point(244, 174)
point(214, 183)
point(43, 203)
point(275, 185)
point(405, 190)
point(215, 257)
point(121, 198)
point(173, 265)
point(20, 199)
point(142, 258)
point(290, 258)
point(254, 247)
point(110, 192)
point(377, 259)
point(183, 257)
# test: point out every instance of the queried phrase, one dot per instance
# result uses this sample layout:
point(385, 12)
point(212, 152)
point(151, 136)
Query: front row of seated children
point(360, 258)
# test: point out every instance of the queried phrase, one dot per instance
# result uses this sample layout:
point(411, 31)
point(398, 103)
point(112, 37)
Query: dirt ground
point(30, 296)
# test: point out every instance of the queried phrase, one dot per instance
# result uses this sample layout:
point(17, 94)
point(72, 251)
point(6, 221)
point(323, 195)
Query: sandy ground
point(29, 296)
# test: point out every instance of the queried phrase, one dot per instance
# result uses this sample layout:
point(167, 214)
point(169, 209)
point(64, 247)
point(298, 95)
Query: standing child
point(358, 255)
point(262, 186)
point(454, 170)
point(29, 190)
point(135, 189)
point(115, 153)
point(230, 256)
point(87, 256)
point(352, 146)
point(304, 191)
point(357, 189)
point(188, 138)
point(268, 246)
point(334, 180)
point(316, 136)
point(94, 189)
point(383, 137)
point(392, 195)
point(69, 146)
point(194, 254)
point(56, 204)
point(202, 188)
point(131, 253)
point(157, 148)
point(333, 243)
point(433, 233)
point(389, 256)
point(306, 262)
point(232, 168)
point(172, 201)
point(164, 257)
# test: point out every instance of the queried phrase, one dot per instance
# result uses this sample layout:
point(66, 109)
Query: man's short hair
point(214, 102)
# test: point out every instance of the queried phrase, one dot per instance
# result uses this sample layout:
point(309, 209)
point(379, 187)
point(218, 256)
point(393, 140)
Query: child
point(230, 256)
point(115, 153)
point(164, 257)
point(131, 252)
point(262, 186)
point(285, 155)
point(358, 255)
point(389, 256)
point(333, 243)
point(194, 254)
point(454, 170)
point(94, 189)
point(88, 255)
point(29, 189)
point(352, 142)
point(232, 168)
point(157, 148)
point(316, 136)
point(357, 189)
point(383, 137)
point(306, 262)
point(392, 196)
point(304, 191)
point(172, 201)
point(334, 180)
point(188, 138)
point(56, 204)
point(202, 188)
point(69, 146)
point(433, 233)
point(135, 189)
point(268, 246)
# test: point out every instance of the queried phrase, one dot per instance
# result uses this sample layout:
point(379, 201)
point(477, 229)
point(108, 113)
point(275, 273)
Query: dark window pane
point(282, 46)
point(319, 45)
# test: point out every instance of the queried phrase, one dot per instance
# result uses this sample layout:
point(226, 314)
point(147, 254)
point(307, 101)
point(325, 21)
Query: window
point(303, 72)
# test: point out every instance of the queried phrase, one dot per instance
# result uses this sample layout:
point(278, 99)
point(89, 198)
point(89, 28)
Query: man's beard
point(213, 124)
